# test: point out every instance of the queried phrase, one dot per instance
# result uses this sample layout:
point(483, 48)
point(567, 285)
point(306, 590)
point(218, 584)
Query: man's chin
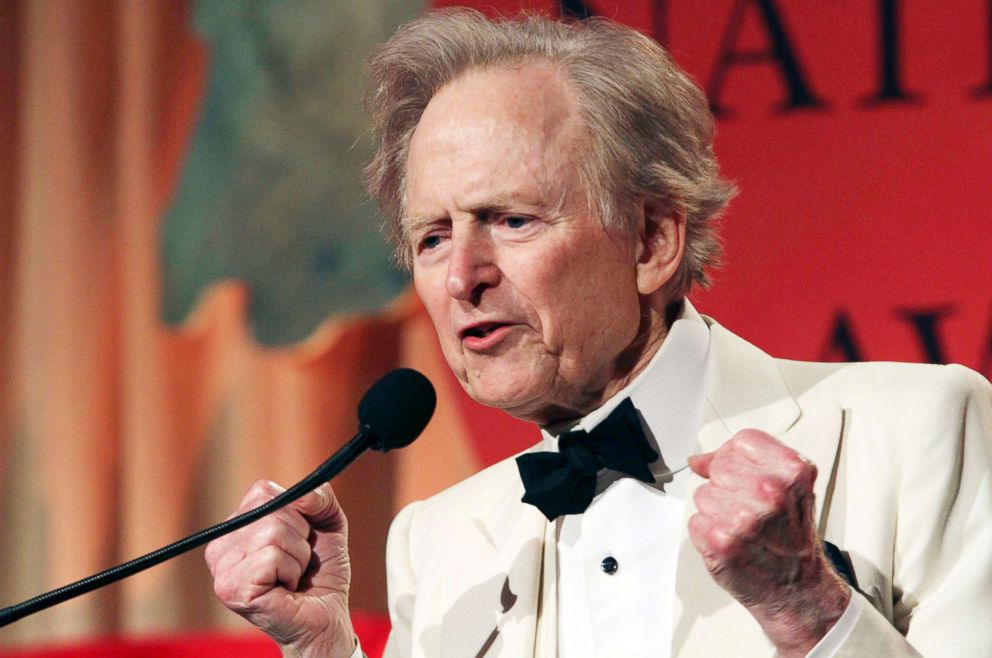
point(518, 398)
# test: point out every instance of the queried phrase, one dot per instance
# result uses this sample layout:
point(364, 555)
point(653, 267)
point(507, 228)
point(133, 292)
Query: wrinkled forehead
point(507, 122)
point(530, 102)
point(532, 92)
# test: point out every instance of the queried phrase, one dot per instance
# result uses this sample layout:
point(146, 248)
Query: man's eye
point(430, 242)
point(515, 221)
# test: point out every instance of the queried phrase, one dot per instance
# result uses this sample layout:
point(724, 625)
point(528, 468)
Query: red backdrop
point(860, 135)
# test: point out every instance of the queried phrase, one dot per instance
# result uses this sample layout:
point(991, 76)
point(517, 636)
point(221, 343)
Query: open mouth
point(482, 330)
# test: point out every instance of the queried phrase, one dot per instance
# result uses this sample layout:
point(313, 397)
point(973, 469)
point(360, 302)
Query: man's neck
point(655, 325)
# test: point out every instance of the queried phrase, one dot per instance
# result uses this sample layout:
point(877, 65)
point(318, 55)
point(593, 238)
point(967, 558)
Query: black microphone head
point(397, 409)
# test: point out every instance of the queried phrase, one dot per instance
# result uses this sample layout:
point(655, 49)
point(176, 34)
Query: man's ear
point(661, 243)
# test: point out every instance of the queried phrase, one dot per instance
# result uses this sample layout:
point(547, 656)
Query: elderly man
point(554, 190)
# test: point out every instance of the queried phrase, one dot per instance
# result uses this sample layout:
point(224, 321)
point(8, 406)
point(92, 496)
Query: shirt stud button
point(609, 565)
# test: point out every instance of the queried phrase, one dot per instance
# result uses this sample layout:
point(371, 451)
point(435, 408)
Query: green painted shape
point(271, 192)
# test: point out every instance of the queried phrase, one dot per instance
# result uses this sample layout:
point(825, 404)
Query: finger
point(290, 519)
point(760, 447)
point(239, 585)
point(773, 456)
point(276, 531)
point(709, 539)
point(766, 493)
point(260, 492)
point(272, 530)
point(727, 507)
point(700, 464)
point(321, 508)
point(732, 471)
point(271, 567)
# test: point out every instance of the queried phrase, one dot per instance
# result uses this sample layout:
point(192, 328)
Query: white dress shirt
point(617, 561)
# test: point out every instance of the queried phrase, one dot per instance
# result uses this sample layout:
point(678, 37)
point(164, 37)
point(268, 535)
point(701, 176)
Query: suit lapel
point(496, 565)
point(745, 390)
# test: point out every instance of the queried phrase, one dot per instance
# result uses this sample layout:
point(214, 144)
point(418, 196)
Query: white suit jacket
point(903, 454)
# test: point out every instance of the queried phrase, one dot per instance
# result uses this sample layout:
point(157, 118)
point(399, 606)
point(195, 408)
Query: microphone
point(391, 414)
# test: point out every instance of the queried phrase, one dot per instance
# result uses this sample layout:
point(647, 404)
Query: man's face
point(533, 300)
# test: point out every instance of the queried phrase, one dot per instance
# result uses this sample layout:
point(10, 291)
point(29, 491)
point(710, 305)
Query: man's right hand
point(289, 572)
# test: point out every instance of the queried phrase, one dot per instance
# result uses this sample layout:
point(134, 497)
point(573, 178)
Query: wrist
point(341, 643)
point(800, 619)
point(340, 649)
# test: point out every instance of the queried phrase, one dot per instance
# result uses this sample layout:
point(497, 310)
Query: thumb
point(700, 464)
point(321, 508)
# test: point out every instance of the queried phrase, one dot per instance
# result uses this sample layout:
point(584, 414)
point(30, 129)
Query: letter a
point(780, 51)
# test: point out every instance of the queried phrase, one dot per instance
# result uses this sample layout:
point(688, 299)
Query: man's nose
point(471, 267)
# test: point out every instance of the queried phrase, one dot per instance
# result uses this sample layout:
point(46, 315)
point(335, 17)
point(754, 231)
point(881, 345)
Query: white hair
point(650, 129)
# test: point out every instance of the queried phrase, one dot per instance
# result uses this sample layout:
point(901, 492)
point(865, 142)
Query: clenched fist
point(756, 532)
point(289, 572)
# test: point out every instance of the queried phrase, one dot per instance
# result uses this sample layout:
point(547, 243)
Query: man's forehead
point(531, 100)
point(527, 86)
point(502, 151)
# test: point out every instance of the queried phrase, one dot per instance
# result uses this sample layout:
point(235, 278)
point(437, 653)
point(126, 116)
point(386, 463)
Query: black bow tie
point(564, 482)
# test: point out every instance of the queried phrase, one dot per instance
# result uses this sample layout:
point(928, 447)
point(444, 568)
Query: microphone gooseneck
point(391, 414)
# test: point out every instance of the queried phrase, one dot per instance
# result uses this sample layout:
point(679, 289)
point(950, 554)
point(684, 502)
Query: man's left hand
point(756, 532)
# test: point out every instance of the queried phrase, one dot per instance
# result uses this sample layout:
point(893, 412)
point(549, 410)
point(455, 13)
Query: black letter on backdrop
point(575, 9)
point(983, 91)
point(659, 16)
point(890, 89)
point(659, 22)
point(925, 322)
point(841, 344)
point(780, 51)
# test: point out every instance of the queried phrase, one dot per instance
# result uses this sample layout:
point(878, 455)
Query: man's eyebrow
point(413, 223)
point(503, 203)
point(507, 203)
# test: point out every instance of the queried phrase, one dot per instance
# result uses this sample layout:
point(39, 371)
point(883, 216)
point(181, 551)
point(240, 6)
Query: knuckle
point(290, 522)
point(258, 493)
point(722, 461)
point(721, 541)
point(770, 491)
point(270, 533)
point(269, 555)
point(803, 473)
point(794, 464)
point(695, 522)
point(744, 517)
point(226, 589)
point(698, 525)
point(748, 436)
point(260, 488)
point(735, 442)
point(767, 485)
point(211, 554)
point(240, 604)
point(700, 494)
